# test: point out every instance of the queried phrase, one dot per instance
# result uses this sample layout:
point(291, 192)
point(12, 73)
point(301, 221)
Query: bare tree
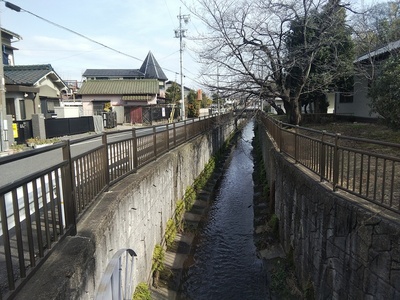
point(246, 50)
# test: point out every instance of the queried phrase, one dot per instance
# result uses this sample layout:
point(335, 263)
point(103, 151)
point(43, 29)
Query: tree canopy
point(385, 92)
point(265, 49)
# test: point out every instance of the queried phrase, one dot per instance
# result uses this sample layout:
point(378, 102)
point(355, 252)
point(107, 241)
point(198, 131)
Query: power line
point(19, 9)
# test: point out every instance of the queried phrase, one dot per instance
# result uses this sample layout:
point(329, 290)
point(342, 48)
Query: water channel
point(226, 265)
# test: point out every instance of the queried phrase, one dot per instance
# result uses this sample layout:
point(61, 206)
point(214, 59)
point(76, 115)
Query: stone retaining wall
point(132, 214)
point(343, 246)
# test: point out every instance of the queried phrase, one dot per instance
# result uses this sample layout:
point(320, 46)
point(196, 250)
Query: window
point(22, 109)
point(10, 108)
point(98, 107)
point(50, 106)
point(346, 98)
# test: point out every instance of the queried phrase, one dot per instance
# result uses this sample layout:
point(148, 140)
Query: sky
point(133, 27)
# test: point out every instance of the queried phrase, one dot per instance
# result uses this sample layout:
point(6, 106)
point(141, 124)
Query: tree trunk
point(295, 112)
point(279, 110)
point(156, 278)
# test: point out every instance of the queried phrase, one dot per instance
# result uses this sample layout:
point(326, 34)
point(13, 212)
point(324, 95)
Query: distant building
point(32, 89)
point(7, 38)
point(358, 103)
point(127, 90)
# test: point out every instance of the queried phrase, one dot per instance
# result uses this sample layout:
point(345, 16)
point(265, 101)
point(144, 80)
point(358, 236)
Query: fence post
point(167, 137)
point(336, 162)
point(322, 156)
point(296, 146)
point(105, 159)
point(135, 153)
point(185, 126)
point(155, 142)
point(174, 128)
point(280, 126)
point(69, 189)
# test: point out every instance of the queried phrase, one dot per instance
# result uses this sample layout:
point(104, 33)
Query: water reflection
point(226, 265)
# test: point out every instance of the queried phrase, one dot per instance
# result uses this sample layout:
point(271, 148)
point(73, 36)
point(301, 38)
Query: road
point(10, 172)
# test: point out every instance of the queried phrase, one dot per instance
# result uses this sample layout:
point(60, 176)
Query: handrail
point(51, 201)
point(359, 171)
point(117, 280)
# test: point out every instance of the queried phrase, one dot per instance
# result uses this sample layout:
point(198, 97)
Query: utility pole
point(181, 33)
point(218, 103)
point(3, 120)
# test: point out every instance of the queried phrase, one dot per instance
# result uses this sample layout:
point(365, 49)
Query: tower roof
point(151, 69)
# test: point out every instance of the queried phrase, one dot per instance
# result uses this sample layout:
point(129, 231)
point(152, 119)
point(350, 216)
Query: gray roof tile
point(119, 87)
point(113, 73)
point(150, 69)
point(26, 74)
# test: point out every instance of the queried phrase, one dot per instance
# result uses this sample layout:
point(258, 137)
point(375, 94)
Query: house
point(32, 89)
point(127, 90)
point(186, 90)
point(357, 104)
point(126, 97)
point(7, 38)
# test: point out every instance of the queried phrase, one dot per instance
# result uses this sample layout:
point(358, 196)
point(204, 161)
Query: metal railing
point(366, 168)
point(117, 280)
point(40, 209)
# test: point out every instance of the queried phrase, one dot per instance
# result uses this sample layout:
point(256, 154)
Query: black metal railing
point(366, 168)
point(41, 208)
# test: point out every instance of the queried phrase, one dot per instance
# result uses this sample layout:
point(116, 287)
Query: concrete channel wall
point(132, 214)
point(343, 247)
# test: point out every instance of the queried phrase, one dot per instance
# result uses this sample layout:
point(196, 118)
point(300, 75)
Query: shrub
point(170, 233)
point(179, 211)
point(385, 92)
point(142, 292)
point(190, 197)
point(158, 263)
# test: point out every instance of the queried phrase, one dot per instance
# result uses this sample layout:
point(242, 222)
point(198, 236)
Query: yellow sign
point(15, 130)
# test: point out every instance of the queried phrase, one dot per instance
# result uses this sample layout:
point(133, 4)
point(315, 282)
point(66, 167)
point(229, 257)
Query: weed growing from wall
point(157, 263)
point(178, 215)
point(205, 175)
point(142, 292)
point(189, 198)
point(170, 233)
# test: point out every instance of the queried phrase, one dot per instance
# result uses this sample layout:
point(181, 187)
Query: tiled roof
point(12, 34)
point(26, 74)
point(385, 49)
point(151, 68)
point(113, 73)
point(137, 98)
point(119, 87)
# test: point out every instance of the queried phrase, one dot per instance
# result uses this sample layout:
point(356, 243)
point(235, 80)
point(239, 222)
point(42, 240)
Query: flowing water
point(226, 265)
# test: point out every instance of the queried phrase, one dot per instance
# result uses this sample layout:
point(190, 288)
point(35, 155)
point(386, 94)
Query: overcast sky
point(134, 27)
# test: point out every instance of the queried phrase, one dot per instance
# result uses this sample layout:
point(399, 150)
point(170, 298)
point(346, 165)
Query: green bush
point(170, 233)
point(205, 175)
point(158, 263)
point(385, 92)
point(179, 211)
point(158, 258)
point(142, 292)
point(190, 197)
